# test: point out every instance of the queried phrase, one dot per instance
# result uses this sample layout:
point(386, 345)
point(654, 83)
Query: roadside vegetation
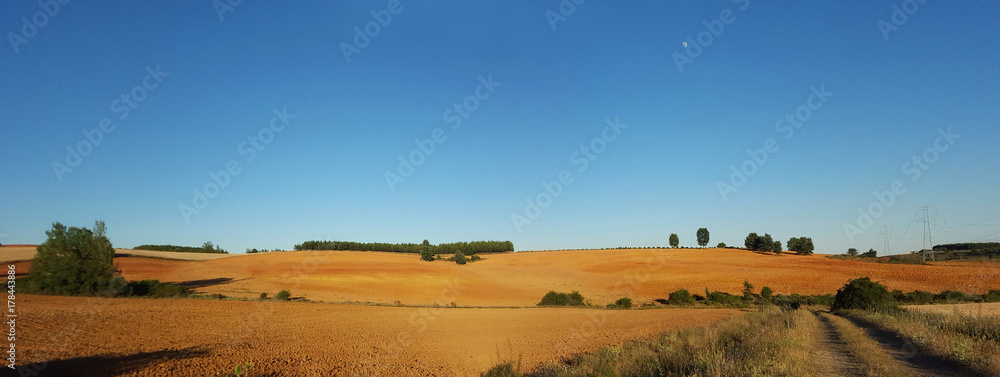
point(414, 248)
point(768, 342)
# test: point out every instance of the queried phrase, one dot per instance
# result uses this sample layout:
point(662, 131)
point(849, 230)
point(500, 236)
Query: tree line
point(415, 248)
point(975, 248)
point(207, 247)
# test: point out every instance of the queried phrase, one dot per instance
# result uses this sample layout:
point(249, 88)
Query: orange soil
point(521, 279)
point(161, 337)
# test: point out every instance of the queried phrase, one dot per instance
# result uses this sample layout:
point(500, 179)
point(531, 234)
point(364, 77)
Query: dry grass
point(973, 341)
point(765, 343)
point(14, 253)
point(875, 361)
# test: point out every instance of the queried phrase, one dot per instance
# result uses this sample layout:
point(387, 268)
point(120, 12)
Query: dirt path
point(920, 364)
point(832, 353)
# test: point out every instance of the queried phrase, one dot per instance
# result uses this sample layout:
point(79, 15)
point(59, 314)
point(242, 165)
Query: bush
point(721, 245)
point(427, 254)
point(766, 294)
point(622, 303)
point(993, 296)
point(554, 298)
point(460, 257)
point(75, 261)
point(951, 297)
point(801, 245)
point(284, 295)
point(155, 289)
point(263, 296)
point(680, 297)
point(864, 294)
point(726, 299)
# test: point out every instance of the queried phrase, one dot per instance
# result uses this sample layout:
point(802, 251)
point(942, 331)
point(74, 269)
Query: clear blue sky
point(323, 175)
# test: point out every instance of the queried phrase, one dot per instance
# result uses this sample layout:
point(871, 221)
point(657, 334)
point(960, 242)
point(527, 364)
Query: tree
point(623, 303)
point(871, 253)
point(208, 247)
point(765, 243)
point(284, 295)
point(852, 252)
point(702, 237)
point(427, 254)
point(864, 294)
point(751, 240)
point(680, 297)
point(721, 245)
point(426, 243)
point(766, 293)
point(747, 290)
point(75, 261)
point(801, 245)
point(460, 257)
point(776, 248)
point(674, 241)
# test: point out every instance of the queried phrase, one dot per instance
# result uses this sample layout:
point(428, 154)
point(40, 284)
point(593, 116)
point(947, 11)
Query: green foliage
point(766, 294)
point(793, 301)
point(801, 245)
point(747, 290)
point(975, 248)
point(622, 303)
point(765, 243)
point(155, 289)
point(263, 296)
point(505, 369)
point(445, 248)
point(852, 252)
point(242, 370)
point(680, 297)
point(871, 253)
point(460, 257)
point(284, 295)
point(75, 261)
point(183, 249)
point(427, 254)
point(702, 237)
point(992, 296)
point(554, 298)
point(864, 294)
point(674, 240)
point(721, 245)
point(725, 299)
point(752, 242)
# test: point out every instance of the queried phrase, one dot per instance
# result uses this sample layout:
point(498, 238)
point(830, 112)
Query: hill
point(521, 279)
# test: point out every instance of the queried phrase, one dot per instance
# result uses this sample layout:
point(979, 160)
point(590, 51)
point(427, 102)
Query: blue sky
point(558, 79)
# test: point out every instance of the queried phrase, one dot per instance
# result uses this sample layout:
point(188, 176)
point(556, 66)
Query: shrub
point(852, 252)
point(950, 297)
point(726, 299)
point(801, 245)
point(871, 253)
point(460, 257)
point(721, 245)
point(474, 258)
point(284, 295)
point(155, 289)
point(864, 294)
point(622, 303)
point(554, 298)
point(766, 294)
point(263, 296)
point(427, 254)
point(502, 370)
point(680, 297)
point(993, 296)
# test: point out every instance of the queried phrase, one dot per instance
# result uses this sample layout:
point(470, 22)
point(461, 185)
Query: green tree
point(752, 241)
point(766, 294)
point(426, 243)
point(864, 294)
point(427, 254)
point(284, 295)
point(75, 261)
point(747, 290)
point(852, 252)
point(801, 245)
point(680, 297)
point(702, 236)
point(721, 245)
point(871, 253)
point(460, 257)
point(674, 241)
point(765, 243)
point(776, 248)
point(208, 247)
point(622, 303)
